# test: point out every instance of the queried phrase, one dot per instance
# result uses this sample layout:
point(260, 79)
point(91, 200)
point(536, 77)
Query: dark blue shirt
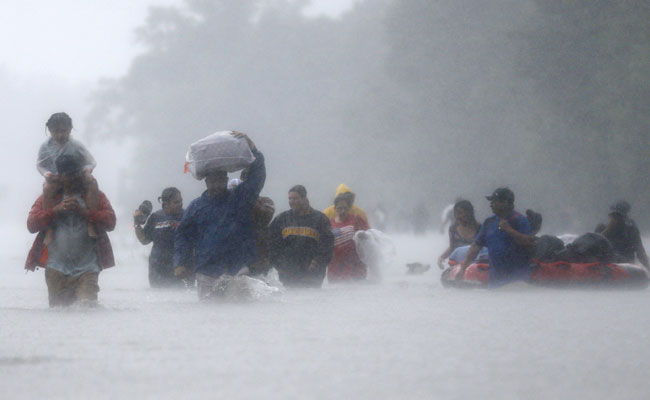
point(508, 260)
point(160, 229)
point(219, 230)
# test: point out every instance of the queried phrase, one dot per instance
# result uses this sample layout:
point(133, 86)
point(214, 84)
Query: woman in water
point(345, 263)
point(463, 231)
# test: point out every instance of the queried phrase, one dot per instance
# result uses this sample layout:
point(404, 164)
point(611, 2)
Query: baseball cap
point(502, 194)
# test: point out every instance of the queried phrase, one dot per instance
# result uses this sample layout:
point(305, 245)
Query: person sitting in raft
point(463, 231)
point(345, 263)
point(623, 234)
point(507, 235)
point(159, 228)
point(354, 210)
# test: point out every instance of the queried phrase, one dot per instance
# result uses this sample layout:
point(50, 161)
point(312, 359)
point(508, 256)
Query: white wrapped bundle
point(375, 250)
point(218, 152)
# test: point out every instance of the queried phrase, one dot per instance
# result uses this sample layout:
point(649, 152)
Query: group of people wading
point(228, 230)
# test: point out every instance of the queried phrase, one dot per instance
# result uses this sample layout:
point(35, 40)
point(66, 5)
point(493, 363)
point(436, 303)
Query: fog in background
point(410, 103)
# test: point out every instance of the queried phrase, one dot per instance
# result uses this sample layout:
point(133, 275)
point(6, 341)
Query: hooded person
point(354, 210)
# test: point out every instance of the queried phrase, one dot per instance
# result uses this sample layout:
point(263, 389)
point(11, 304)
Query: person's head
point(343, 204)
point(70, 169)
point(464, 212)
point(171, 201)
point(619, 210)
point(342, 189)
point(216, 182)
point(502, 201)
point(298, 201)
point(535, 220)
point(60, 126)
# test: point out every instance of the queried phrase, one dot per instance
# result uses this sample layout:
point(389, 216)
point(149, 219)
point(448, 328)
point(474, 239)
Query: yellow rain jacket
point(331, 213)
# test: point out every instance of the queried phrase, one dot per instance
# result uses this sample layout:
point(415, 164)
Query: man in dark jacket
point(217, 227)
point(301, 242)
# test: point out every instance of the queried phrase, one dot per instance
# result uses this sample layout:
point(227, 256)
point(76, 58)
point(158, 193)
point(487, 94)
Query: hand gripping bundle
point(217, 152)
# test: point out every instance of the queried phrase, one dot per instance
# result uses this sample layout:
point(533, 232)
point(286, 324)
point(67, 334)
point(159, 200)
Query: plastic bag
point(217, 152)
point(375, 250)
point(50, 151)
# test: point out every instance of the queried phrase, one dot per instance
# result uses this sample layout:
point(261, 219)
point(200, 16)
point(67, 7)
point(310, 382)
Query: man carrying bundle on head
point(217, 227)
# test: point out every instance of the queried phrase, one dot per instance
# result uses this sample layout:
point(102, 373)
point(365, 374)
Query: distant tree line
point(406, 101)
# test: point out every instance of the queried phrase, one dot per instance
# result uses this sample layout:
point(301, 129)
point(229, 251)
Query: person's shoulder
point(158, 214)
point(521, 220)
point(197, 202)
point(489, 220)
point(265, 200)
point(330, 212)
point(47, 143)
point(283, 215)
point(319, 215)
point(631, 226)
point(358, 210)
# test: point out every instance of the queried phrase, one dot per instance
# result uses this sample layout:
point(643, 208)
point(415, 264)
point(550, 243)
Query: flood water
point(407, 337)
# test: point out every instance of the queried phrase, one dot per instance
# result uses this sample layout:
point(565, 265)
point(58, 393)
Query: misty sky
point(80, 40)
point(54, 54)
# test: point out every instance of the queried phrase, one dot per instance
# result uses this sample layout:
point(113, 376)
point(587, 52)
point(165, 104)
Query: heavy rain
point(410, 105)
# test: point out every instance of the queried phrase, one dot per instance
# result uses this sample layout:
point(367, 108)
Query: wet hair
point(69, 164)
point(59, 119)
point(466, 206)
point(346, 197)
point(168, 194)
point(300, 189)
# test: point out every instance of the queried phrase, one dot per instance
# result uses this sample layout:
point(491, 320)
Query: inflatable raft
point(558, 274)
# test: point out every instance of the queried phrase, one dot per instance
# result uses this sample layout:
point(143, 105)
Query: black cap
point(502, 194)
point(69, 164)
point(621, 207)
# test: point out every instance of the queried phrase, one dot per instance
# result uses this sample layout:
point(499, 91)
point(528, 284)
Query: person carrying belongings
point(71, 257)
point(330, 211)
point(217, 227)
point(345, 263)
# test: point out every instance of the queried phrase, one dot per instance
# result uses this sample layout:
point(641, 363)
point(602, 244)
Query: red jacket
point(39, 220)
